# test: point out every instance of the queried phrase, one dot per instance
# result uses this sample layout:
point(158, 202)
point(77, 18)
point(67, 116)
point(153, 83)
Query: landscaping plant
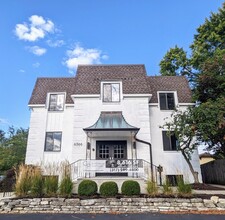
point(109, 188)
point(167, 188)
point(50, 185)
point(183, 189)
point(37, 183)
point(130, 187)
point(152, 188)
point(87, 188)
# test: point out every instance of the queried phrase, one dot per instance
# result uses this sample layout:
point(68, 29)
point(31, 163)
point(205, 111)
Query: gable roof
point(170, 83)
point(88, 80)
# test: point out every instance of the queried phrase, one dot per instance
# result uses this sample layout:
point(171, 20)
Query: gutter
point(150, 150)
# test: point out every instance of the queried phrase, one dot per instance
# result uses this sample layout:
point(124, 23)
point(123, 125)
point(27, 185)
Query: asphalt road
point(152, 216)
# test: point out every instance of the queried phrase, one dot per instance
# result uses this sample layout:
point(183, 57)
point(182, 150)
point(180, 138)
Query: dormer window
point(167, 101)
point(56, 102)
point(111, 92)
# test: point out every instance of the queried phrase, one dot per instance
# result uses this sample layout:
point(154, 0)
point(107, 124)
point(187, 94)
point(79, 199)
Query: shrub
point(167, 189)
point(66, 187)
point(37, 184)
point(130, 187)
point(8, 183)
point(152, 188)
point(184, 189)
point(109, 188)
point(50, 185)
point(87, 188)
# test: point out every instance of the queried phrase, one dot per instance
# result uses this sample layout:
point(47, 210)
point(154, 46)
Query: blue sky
point(48, 38)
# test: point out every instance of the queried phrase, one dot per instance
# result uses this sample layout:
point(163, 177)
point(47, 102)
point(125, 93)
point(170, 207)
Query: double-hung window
point(111, 92)
point(53, 141)
point(170, 142)
point(166, 101)
point(56, 102)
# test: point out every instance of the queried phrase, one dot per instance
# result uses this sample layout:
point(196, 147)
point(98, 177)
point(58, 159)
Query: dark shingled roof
point(46, 85)
point(89, 77)
point(170, 83)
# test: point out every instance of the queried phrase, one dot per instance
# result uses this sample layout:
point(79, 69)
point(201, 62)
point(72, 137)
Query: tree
point(175, 63)
point(205, 69)
point(183, 126)
point(13, 148)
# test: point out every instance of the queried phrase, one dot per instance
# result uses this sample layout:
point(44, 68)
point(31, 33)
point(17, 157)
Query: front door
point(111, 151)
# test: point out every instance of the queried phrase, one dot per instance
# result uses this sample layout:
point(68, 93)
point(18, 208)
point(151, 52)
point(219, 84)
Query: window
point(53, 141)
point(111, 92)
point(170, 143)
point(56, 102)
point(174, 179)
point(166, 101)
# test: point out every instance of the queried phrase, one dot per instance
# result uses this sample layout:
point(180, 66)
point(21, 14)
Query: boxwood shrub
point(130, 187)
point(87, 188)
point(108, 188)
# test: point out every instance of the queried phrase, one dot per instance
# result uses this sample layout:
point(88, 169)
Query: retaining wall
point(110, 205)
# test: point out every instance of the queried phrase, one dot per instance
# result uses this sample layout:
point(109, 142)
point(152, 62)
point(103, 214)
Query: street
point(151, 216)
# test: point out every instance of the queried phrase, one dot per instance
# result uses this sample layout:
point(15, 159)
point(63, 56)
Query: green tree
point(183, 126)
point(205, 69)
point(12, 148)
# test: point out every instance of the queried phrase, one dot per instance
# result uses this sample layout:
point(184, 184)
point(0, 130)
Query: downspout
point(150, 150)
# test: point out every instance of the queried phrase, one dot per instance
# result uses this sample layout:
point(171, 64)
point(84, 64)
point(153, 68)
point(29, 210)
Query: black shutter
point(162, 101)
point(166, 141)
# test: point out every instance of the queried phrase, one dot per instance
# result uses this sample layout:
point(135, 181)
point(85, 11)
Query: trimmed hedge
point(87, 188)
point(108, 188)
point(130, 187)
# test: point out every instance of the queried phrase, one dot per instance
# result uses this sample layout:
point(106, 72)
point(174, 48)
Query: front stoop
point(118, 180)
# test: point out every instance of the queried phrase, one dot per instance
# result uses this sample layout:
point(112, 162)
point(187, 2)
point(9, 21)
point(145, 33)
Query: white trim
point(36, 105)
point(154, 104)
point(48, 100)
point(137, 95)
point(176, 102)
point(69, 105)
point(85, 96)
point(192, 104)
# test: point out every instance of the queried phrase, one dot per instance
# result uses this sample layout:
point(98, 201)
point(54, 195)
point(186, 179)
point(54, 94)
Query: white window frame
point(175, 99)
point(120, 92)
point(45, 150)
point(48, 101)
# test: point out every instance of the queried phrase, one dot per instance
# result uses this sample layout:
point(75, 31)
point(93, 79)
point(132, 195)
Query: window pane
point(57, 141)
point(162, 101)
point(56, 102)
point(107, 94)
point(116, 92)
point(174, 142)
point(52, 102)
point(170, 101)
point(49, 142)
point(60, 102)
point(166, 141)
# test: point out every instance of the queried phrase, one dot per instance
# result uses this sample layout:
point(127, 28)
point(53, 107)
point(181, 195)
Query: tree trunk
point(194, 173)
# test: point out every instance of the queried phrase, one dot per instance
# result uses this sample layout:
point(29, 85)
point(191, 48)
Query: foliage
point(184, 189)
point(12, 148)
point(183, 126)
point(205, 69)
point(50, 185)
point(175, 63)
point(66, 184)
point(167, 188)
point(210, 123)
point(23, 180)
point(109, 188)
point(130, 187)
point(87, 188)
point(8, 183)
point(37, 183)
point(152, 188)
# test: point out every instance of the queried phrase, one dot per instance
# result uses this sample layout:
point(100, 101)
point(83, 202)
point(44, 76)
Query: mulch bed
point(203, 186)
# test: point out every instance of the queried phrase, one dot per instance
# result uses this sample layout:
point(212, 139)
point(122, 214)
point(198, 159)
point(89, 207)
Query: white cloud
point(4, 121)
point(22, 71)
point(36, 50)
point(36, 65)
point(36, 29)
point(80, 55)
point(57, 43)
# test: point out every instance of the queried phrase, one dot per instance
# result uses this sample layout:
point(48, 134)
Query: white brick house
point(106, 122)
